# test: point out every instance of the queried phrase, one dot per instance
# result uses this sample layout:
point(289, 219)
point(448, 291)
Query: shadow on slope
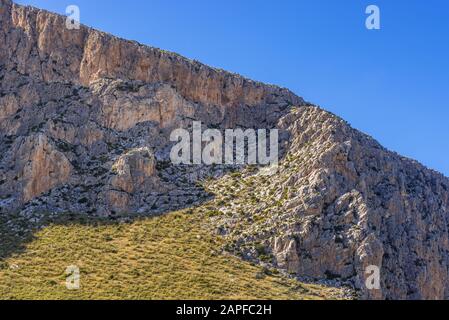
point(172, 256)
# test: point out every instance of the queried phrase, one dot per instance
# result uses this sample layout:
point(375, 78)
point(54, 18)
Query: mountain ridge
point(97, 55)
point(85, 126)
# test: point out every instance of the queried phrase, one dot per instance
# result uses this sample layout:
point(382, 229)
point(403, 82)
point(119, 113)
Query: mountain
point(85, 129)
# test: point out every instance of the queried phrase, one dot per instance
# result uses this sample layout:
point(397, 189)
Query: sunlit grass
point(167, 257)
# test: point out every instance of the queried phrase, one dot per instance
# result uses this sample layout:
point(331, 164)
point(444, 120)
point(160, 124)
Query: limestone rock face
point(95, 99)
point(85, 123)
point(133, 170)
point(39, 167)
point(340, 204)
point(285, 252)
point(124, 105)
point(363, 205)
point(46, 49)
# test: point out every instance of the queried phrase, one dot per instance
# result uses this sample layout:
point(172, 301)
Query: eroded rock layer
point(85, 121)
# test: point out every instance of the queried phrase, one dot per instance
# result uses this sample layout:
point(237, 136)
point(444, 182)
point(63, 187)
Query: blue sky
point(391, 83)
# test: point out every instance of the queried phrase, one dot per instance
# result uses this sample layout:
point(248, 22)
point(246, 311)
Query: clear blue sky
point(392, 83)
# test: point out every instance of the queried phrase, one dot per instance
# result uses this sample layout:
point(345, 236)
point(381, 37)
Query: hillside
point(169, 257)
point(86, 179)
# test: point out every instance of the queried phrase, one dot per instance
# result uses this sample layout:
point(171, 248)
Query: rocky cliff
point(339, 204)
point(82, 98)
point(37, 43)
point(85, 120)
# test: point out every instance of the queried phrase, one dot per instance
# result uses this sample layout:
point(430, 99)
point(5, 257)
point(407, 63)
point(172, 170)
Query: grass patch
point(168, 257)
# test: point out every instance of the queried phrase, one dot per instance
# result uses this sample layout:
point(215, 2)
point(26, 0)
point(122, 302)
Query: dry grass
point(168, 257)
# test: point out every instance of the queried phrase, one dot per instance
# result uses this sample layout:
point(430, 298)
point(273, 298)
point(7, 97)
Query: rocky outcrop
point(37, 167)
point(45, 167)
point(65, 87)
point(374, 207)
point(133, 170)
point(37, 43)
point(285, 253)
point(125, 104)
point(341, 203)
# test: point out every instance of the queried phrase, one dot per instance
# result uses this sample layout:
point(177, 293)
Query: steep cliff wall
point(339, 204)
point(37, 43)
point(85, 120)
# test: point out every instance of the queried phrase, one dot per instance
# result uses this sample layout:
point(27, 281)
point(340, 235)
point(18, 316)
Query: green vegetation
point(169, 257)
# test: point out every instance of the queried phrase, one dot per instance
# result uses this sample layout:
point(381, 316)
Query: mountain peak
point(90, 55)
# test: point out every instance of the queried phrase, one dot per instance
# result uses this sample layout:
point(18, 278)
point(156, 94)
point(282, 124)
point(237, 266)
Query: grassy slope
point(168, 257)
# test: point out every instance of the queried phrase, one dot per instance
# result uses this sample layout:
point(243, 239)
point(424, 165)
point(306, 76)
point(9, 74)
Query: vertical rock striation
point(85, 120)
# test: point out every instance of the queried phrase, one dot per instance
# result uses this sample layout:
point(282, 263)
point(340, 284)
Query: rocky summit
point(85, 124)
